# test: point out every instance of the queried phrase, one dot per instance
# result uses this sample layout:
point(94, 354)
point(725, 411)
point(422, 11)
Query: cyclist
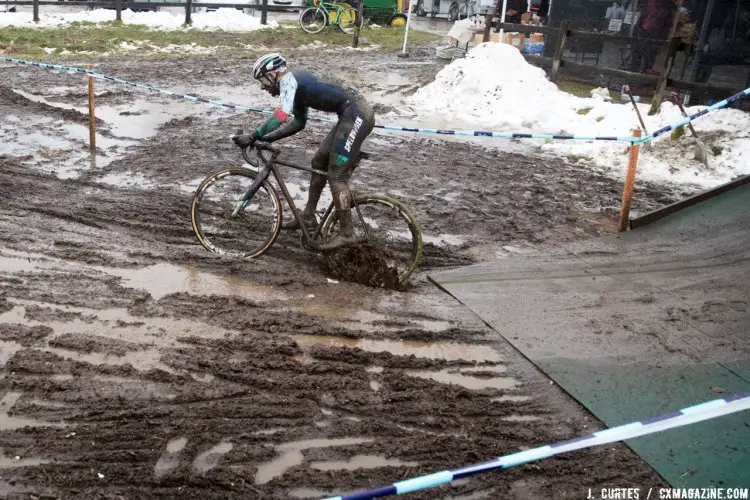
point(298, 92)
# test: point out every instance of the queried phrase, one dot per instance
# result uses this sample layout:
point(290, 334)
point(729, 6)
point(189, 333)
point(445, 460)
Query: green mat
point(638, 325)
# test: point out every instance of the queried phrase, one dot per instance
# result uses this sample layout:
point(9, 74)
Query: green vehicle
point(383, 12)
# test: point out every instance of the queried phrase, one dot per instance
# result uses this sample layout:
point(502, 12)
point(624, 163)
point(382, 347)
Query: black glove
point(245, 140)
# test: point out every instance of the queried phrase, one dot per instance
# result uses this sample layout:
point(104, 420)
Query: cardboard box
point(514, 39)
point(478, 37)
point(526, 18)
point(536, 37)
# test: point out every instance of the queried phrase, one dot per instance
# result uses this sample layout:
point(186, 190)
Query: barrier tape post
point(36, 11)
point(92, 115)
point(627, 192)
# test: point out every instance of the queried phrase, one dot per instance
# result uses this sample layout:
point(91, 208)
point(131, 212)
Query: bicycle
point(236, 212)
point(314, 19)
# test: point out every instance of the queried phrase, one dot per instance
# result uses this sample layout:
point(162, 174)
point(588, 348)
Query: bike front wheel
point(390, 228)
point(348, 21)
point(313, 20)
point(245, 234)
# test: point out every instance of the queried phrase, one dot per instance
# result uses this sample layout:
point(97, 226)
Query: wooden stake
point(562, 36)
point(627, 193)
point(92, 115)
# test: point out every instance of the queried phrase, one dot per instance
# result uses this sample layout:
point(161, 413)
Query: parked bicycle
point(236, 212)
point(314, 19)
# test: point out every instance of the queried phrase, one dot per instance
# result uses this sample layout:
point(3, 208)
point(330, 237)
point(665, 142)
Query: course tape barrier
point(691, 415)
point(470, 133)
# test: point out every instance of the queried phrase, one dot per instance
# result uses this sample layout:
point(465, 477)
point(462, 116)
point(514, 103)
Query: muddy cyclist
point(299, 91)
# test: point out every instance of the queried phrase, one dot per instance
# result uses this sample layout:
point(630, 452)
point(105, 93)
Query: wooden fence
point(563, 35)
point(119, 5)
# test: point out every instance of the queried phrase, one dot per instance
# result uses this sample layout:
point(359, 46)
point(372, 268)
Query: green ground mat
point(638, 325)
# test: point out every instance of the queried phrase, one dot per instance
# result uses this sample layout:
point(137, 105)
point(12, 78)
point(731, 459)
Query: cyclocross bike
point(314, 19)
point(236, 212)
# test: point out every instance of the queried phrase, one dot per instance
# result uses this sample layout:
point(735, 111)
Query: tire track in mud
point(148, 367)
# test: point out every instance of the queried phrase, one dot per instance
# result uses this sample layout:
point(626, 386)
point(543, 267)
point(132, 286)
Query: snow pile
point(494, 88)
point(222, 19)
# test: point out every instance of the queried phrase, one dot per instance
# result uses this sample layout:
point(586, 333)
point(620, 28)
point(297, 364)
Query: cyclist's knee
point(320, 161)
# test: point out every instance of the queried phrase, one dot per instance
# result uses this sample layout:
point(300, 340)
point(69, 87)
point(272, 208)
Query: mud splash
point(366, 265)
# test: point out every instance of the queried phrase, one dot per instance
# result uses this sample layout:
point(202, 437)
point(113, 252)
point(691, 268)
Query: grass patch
point(599, 118)
point(106, 39)
point(584, 111)
point(716, 150)
point(576, 87)
point(678, 132)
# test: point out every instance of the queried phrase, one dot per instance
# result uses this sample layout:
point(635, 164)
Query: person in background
point(655, 21)
point(515, 10)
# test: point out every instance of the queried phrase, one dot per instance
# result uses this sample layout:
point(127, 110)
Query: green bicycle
point(314, 19)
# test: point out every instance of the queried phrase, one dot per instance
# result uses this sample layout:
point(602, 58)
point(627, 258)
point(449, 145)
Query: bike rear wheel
point(313, 20)
point(245, 235)
point(391, 229)
point(347, 21)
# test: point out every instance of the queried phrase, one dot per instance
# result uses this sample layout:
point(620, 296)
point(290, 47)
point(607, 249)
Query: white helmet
point(267, 64)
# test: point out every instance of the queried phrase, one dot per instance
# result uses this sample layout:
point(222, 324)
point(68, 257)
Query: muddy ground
point(135, 364)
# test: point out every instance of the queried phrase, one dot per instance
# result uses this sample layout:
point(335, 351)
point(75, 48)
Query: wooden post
point(487, 27)
point(188, 12)
point(264, 12)
point(561, 38)
point(627, 193)
point(661, 85)
point(36, 11)
point(488, 21)
point(360, 13)
point(92, 116)
point(118, 10)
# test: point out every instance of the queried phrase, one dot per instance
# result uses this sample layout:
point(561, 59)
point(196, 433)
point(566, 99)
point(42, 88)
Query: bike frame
point(339, 10)
point(270, 166)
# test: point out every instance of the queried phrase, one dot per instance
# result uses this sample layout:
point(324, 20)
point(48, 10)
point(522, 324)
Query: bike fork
point(242, 203)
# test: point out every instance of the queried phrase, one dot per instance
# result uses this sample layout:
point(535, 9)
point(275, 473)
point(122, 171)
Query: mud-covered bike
point(236, 212)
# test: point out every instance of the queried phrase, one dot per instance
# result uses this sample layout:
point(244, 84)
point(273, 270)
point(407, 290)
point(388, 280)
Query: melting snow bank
point(222, 19)
point(494, 88)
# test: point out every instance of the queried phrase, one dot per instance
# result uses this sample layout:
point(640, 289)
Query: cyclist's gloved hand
point(245, 140)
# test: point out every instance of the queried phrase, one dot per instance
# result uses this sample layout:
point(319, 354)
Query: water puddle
point(127, 180)
point(7, 350)
point(521, 418)
point(511, 399)
point(361, 462)
point(210, 458)
point(450, 351)
point(141, 360)
point(360, 312)
point(158, 280)
point(169, 459)
point(114, 323)
point(15, 462)
point(464, 378)
point(290, 455)
point(9, 423)
point(138, 119)
point(268, 432)
point(443, 239)
point(163, 279)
